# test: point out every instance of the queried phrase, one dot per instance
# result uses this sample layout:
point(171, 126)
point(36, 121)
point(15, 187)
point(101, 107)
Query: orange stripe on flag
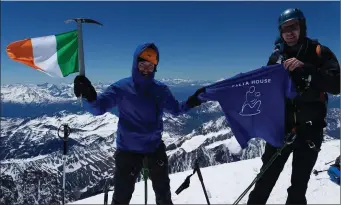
point(22, 51)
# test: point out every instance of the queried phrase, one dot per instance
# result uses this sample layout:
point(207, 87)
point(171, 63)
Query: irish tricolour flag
point(55, 55)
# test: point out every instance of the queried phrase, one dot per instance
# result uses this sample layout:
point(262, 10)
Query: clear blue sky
point(197, 40)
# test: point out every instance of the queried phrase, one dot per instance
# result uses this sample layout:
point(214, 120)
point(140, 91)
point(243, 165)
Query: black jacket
point(321, 67)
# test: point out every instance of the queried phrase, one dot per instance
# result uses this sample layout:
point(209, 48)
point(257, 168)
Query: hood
point(140, 80)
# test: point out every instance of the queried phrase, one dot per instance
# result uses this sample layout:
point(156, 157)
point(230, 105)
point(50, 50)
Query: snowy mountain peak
point(184, 82)
point(51, 93)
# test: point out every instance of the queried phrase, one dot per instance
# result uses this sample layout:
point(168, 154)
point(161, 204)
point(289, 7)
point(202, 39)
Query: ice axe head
point(83, 20)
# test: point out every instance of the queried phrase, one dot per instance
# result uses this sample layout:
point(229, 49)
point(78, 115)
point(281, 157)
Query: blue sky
point(197, 40)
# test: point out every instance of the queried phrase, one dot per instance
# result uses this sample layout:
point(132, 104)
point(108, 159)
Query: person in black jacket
point(314, 71)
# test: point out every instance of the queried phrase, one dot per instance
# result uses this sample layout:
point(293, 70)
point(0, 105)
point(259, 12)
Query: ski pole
point(329, 162)
point(106, 198)
point(317, 172)
point(106, 191)
point(66, 132)
point(145, 173)
point(289, 139)
point(201, 180)
point(185, 184)
point(106, 186)
point(259, 175)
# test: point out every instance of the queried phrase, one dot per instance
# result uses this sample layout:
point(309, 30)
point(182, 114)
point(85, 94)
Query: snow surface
point(193, 143)
point(231, 143)
point(226, 182)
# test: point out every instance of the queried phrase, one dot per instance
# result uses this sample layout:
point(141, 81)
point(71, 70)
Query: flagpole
point(81, 63)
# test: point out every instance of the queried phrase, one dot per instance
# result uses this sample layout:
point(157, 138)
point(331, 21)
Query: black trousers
point(304, 159)
point(128, 168)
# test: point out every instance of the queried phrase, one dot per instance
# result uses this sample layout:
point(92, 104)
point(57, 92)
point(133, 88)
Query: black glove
point(193, 100)
point(82, 86)
point(301, 78)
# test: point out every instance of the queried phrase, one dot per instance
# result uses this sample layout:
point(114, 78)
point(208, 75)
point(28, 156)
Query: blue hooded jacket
point(140, 101)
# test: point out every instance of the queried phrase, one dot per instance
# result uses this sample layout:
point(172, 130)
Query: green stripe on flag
point(67, 52)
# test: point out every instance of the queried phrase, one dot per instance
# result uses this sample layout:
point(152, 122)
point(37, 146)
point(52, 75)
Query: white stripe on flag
point(45, 55)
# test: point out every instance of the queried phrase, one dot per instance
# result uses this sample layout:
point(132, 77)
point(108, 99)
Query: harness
point(313, 49)
point(308, 52)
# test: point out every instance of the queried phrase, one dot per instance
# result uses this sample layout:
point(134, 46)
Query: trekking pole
point(317, 172)
point(145, 173)
point(197, 168)
point(329, 162)
point(66, 132)
point(187, 181)
point(185, 184)
point(288, 140)
point(106, 190)
point(105, 198)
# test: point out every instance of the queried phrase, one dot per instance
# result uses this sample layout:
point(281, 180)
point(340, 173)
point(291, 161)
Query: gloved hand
point(82, 86)
point(193, 100)
point(301, 78)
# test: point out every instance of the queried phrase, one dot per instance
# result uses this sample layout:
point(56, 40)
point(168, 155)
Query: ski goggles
point(291, 28)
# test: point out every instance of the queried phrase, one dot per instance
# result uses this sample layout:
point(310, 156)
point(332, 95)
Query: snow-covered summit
point(225, 182)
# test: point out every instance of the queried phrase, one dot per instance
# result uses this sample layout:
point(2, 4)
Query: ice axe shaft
point(81, 63)
point(79, 22)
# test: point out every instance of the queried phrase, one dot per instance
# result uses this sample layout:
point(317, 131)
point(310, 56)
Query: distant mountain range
point(50, 93)
point(31, 151)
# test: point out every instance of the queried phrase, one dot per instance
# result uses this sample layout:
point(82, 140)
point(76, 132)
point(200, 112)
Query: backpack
point(334, 174)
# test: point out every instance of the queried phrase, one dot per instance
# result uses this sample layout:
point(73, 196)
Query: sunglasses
point(291, 28)
point(146, 65)
point(143, 60)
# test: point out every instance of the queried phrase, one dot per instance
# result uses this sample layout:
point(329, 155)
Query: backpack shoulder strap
point(317, 45)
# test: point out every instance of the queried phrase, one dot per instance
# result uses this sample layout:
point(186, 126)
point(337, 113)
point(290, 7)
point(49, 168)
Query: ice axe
point(79, 22)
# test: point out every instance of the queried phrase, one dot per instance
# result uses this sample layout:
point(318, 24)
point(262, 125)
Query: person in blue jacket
point(141, 101)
